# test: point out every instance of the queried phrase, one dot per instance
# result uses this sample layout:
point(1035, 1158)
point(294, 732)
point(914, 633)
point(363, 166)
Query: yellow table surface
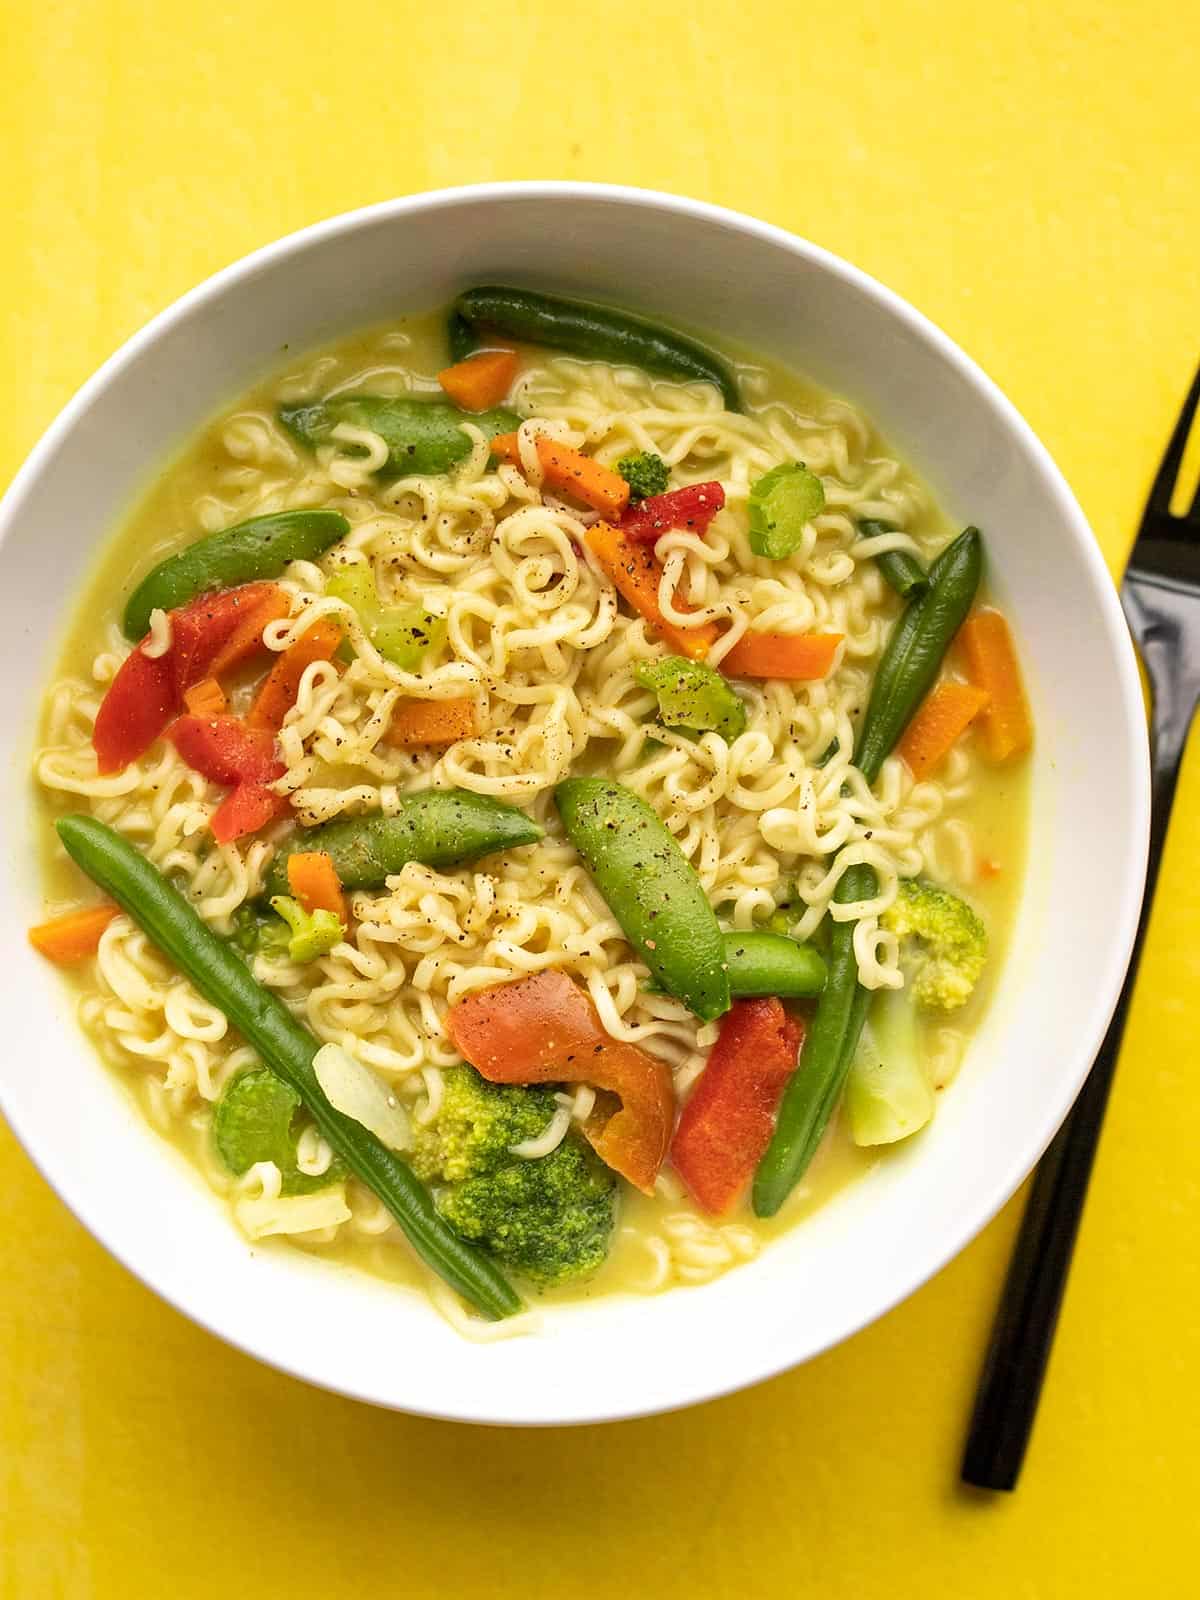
point(1027, 174)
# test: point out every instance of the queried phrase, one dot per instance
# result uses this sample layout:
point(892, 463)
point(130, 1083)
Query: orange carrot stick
point(944, 716)
point(432, 722)
point(74, 936)
point(991, 659)
point(791, 656)
point(247, 636)
point(279, 689)
point(571, 472)
point(506, 448)
point(313, 880)
point(206, 699)
point(480, 381)
point(635, 571)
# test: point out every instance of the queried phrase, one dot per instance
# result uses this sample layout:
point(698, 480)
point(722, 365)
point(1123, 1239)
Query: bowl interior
point(877, 1240)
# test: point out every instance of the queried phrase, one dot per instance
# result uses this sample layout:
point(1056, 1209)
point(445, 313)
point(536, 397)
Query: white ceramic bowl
point(875, 1242)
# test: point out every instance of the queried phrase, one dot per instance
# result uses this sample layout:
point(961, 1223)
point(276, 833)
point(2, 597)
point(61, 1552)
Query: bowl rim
point(935, 1254)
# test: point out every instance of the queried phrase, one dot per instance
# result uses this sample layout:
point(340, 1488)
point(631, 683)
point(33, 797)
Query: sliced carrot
point(72, 937)
point(279, 689)
point(246, 638)
point(506, 447)
point(313, 880)
point(633, 568)
point(795, 657)
point(583, 477)
point(480, 381)
point(432, 722)
point(942, 718)
point(206, 699)
point(991, 660)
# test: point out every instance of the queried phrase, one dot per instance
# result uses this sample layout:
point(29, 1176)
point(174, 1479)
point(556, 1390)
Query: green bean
point(903, 571)
point(461, 338)
point(438, 827)
point(915, 651)
point(259, 548)
point(813, 1089)
point(651, 889)
point(761, 963)
point(595, 332)
point(267, 1025)
point(424, 437)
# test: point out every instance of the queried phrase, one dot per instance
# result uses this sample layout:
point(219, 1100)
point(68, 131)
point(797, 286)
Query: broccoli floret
point(549, 1218)
point(950, 941)
point(313, 933)
point(645, 473)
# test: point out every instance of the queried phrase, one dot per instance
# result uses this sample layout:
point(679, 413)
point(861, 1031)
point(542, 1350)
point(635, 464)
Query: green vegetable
point(439, 827)
point(888, 1096)
point(813, 1089)
point(424, 437)
point(904, 572)
point(253, 1122)
point(781, 506)
point(650, 888)
point(255, 931)
point(765, 963)
point(950, 941)
point(313, 933)
point(645, 473)
point(287, 1048)
point(259, 548)
point(549, 1218)
point(402, 634)
point(827, 755)
point(461, 338)
point(914, 653)
point(692, 695)
point(597, 333)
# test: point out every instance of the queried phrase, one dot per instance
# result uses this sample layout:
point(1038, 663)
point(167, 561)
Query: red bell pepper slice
point(727, 1122)
point(246, 809)
point(211, 633)
point(545, 1029)
point(224, 750)
point(692, 508)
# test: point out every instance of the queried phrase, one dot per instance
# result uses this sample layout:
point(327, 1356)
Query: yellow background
point(1027, 174)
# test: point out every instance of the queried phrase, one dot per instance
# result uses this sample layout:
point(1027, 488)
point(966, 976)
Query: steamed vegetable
point(481, 381)
point(727, 1121)
point(313, 881)
point(213, 633)
point(945, 938)
point(888, 1095)
point(277, 693)
point(310, 933)
point(259, 548)
point(636, 574)
point(424, 437)
point(74, 936)
point(915, 651)
point(284, 1045)
point(651, 888)
point(793, 657)
point(691, 508)
point(767, 963)
point(594, 332)
point(439, 827)
point(550, 1217)
point(545, 1029)
point(224, 750)
point(206, 699)
point(403, 634)
point(904, 572)
point(693, 696)
point(813, 1090)
point(943, 717)
point(253, 1121)
point(991, 659)
point(782, 504)
point(571, 472)
point(420, 722)
point(646, 474)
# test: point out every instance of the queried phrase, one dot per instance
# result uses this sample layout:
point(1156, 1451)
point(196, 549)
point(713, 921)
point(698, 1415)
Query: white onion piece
point(356, 1092)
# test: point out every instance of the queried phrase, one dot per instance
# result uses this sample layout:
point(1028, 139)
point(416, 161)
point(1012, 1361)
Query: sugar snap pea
point(764, 964)
point(915, 651)
point(424, 437)
point(286, 1047)
point(651, 889)
point(437, 827)
point(903, 571)
point(258, 548)
point(596, 332)
point(813, 1089)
